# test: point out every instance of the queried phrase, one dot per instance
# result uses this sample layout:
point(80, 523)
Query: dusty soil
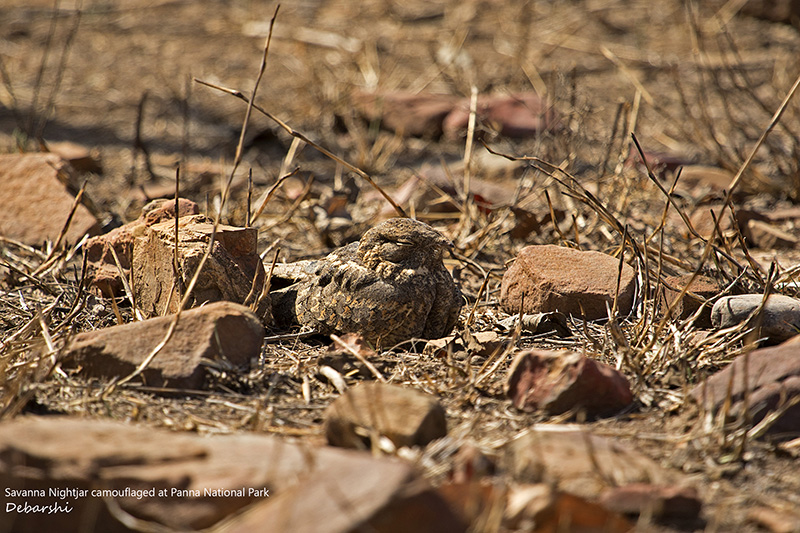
point(699, 82)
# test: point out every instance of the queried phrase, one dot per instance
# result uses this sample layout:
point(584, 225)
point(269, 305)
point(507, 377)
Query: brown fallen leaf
point(538, 323)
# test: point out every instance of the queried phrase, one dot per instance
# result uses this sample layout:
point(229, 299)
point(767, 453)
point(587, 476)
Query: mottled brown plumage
point(390, 286)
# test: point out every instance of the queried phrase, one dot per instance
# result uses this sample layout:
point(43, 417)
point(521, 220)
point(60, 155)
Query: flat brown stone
point(192, 482)
point(761, 380)
point(554, 278)
point(779, 320)
point(572, 459)
point(37, 202)
point(405, 416)
point(221, 330)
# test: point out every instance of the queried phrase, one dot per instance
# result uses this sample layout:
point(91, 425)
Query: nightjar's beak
point(444, 246)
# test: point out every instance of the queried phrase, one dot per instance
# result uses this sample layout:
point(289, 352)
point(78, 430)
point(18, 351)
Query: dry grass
point(611, 68)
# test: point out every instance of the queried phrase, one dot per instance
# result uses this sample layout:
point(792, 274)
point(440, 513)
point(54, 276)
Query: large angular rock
point(188, 482)
point(780, 319)
point(228, 273)
point(102, 273)
point(37, 202)
point(760, 380)
point(553, 278)
point(217, 331)
point(557, 381)
point(381, 505)
point(405, 416)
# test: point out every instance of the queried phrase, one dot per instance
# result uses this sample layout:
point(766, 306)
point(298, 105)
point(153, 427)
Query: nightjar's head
point(402, 245)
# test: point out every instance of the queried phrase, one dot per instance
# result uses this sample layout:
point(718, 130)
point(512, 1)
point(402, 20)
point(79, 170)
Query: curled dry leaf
point(537, 323)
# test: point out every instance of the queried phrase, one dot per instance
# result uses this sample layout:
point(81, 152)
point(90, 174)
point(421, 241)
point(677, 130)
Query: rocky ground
point(505, 125)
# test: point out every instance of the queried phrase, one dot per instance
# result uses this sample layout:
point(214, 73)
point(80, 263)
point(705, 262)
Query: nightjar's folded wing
point(446, 306)
point(390, 286)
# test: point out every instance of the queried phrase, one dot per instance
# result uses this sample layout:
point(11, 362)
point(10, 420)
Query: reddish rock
point(228, 273)
point(554, 278)
point(37, 201)
point(779, 321)
point(574, 460)
point(218, 331)
point(668, 502)
point(102, 272)
point(414, 115)
point(701, 289)
point(164, 209)
point(762, 380)
point(556, 382)
point(290, 487)
point(517, 115)
point(405, 416)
